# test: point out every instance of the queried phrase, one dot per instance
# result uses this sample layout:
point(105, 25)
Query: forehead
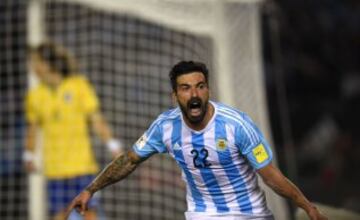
point(191, 78)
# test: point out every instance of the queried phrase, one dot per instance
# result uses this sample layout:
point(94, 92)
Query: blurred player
point(61, 106)
point(219, 149)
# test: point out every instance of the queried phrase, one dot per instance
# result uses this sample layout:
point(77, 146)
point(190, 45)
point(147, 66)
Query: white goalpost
point(126, 49)
point(36, 194)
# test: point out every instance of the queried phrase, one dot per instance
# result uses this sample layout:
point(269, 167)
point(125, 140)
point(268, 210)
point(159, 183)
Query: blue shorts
point(61, 192)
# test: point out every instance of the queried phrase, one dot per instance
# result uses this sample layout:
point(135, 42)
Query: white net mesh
point(126, 49)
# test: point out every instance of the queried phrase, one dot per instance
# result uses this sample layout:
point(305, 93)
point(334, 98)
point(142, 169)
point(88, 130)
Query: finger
point(82, 208)
point(68, 210)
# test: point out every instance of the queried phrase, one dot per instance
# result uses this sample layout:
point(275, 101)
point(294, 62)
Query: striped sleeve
point(150, 142)
point(252, 143)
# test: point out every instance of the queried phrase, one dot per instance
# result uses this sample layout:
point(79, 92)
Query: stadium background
point(311, 78)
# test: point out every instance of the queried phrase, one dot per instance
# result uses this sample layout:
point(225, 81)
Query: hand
point(30, 166)
point(115, 147)
point(28, 159)
point(79, 203)
point(315, 214)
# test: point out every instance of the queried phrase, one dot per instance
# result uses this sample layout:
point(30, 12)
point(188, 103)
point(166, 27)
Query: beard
point(194, 104)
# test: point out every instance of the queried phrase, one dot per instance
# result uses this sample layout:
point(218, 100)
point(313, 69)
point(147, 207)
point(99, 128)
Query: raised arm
point(284, 187)
point(117, 170)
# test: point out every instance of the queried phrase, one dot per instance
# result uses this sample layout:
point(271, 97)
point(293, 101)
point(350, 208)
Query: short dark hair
point(57, 57)
point(184, 67)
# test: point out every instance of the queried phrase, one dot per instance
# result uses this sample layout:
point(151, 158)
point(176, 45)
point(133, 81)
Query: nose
point(194, 92)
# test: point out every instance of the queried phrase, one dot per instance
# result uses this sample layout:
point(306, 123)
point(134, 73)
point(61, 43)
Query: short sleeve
point(150, 142)
point(90, 101)
point(252, 143)
point(30, 109)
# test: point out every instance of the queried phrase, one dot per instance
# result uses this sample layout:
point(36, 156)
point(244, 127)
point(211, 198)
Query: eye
point(184, 87)
point(202, 86)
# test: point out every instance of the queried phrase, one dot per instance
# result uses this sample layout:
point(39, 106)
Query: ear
point(174, 98)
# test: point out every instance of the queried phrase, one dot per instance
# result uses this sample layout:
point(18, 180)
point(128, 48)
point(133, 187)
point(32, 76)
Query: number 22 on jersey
point(200, 158)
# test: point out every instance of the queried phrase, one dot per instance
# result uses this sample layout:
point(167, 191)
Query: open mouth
point(195, 107)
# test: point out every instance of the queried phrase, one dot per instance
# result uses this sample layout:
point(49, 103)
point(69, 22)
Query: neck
point(55, 81)
point(199, 126)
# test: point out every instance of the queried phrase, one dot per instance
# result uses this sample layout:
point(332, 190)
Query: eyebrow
point(187, 84)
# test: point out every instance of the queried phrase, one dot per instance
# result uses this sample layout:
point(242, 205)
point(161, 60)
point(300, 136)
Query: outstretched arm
point(117, 170)
point(284, 187)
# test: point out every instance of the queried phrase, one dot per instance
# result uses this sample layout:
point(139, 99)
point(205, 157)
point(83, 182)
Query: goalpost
point(126, 49)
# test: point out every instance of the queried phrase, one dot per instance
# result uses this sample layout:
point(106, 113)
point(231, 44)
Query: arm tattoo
point(117, 170)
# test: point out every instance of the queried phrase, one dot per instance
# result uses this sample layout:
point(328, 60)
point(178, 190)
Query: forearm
point(28, 155)
point(284, 187)
point(30, 137)
point(100, 127)
point(288, 190)
point(117, 170)
point(103, 131)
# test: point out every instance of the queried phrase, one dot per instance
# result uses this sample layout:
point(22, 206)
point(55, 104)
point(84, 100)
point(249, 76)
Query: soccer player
point(61, 105)
point(219, 150)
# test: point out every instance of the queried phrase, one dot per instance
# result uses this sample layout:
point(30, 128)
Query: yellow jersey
point(62, 114)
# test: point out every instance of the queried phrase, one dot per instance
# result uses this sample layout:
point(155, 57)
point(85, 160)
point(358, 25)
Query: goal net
point(13, 185)
point(126, 49)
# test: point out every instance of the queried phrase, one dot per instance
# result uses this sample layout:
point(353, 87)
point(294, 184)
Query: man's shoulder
point(232, 115)
point(37, 90)
point(164, 118)
point(77, 79)
point(228, 111)
point(170, 114)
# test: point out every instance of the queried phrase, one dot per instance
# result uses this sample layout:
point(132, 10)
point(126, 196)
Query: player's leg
point(55, 194)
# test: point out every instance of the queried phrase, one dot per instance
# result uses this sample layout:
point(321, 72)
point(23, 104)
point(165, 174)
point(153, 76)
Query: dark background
point(313, 54)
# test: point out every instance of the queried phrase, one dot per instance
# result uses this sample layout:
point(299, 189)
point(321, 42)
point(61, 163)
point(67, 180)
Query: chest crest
point(221, 144)
point(67, 97)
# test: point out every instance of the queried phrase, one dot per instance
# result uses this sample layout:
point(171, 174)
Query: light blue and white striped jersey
point(218, 163)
